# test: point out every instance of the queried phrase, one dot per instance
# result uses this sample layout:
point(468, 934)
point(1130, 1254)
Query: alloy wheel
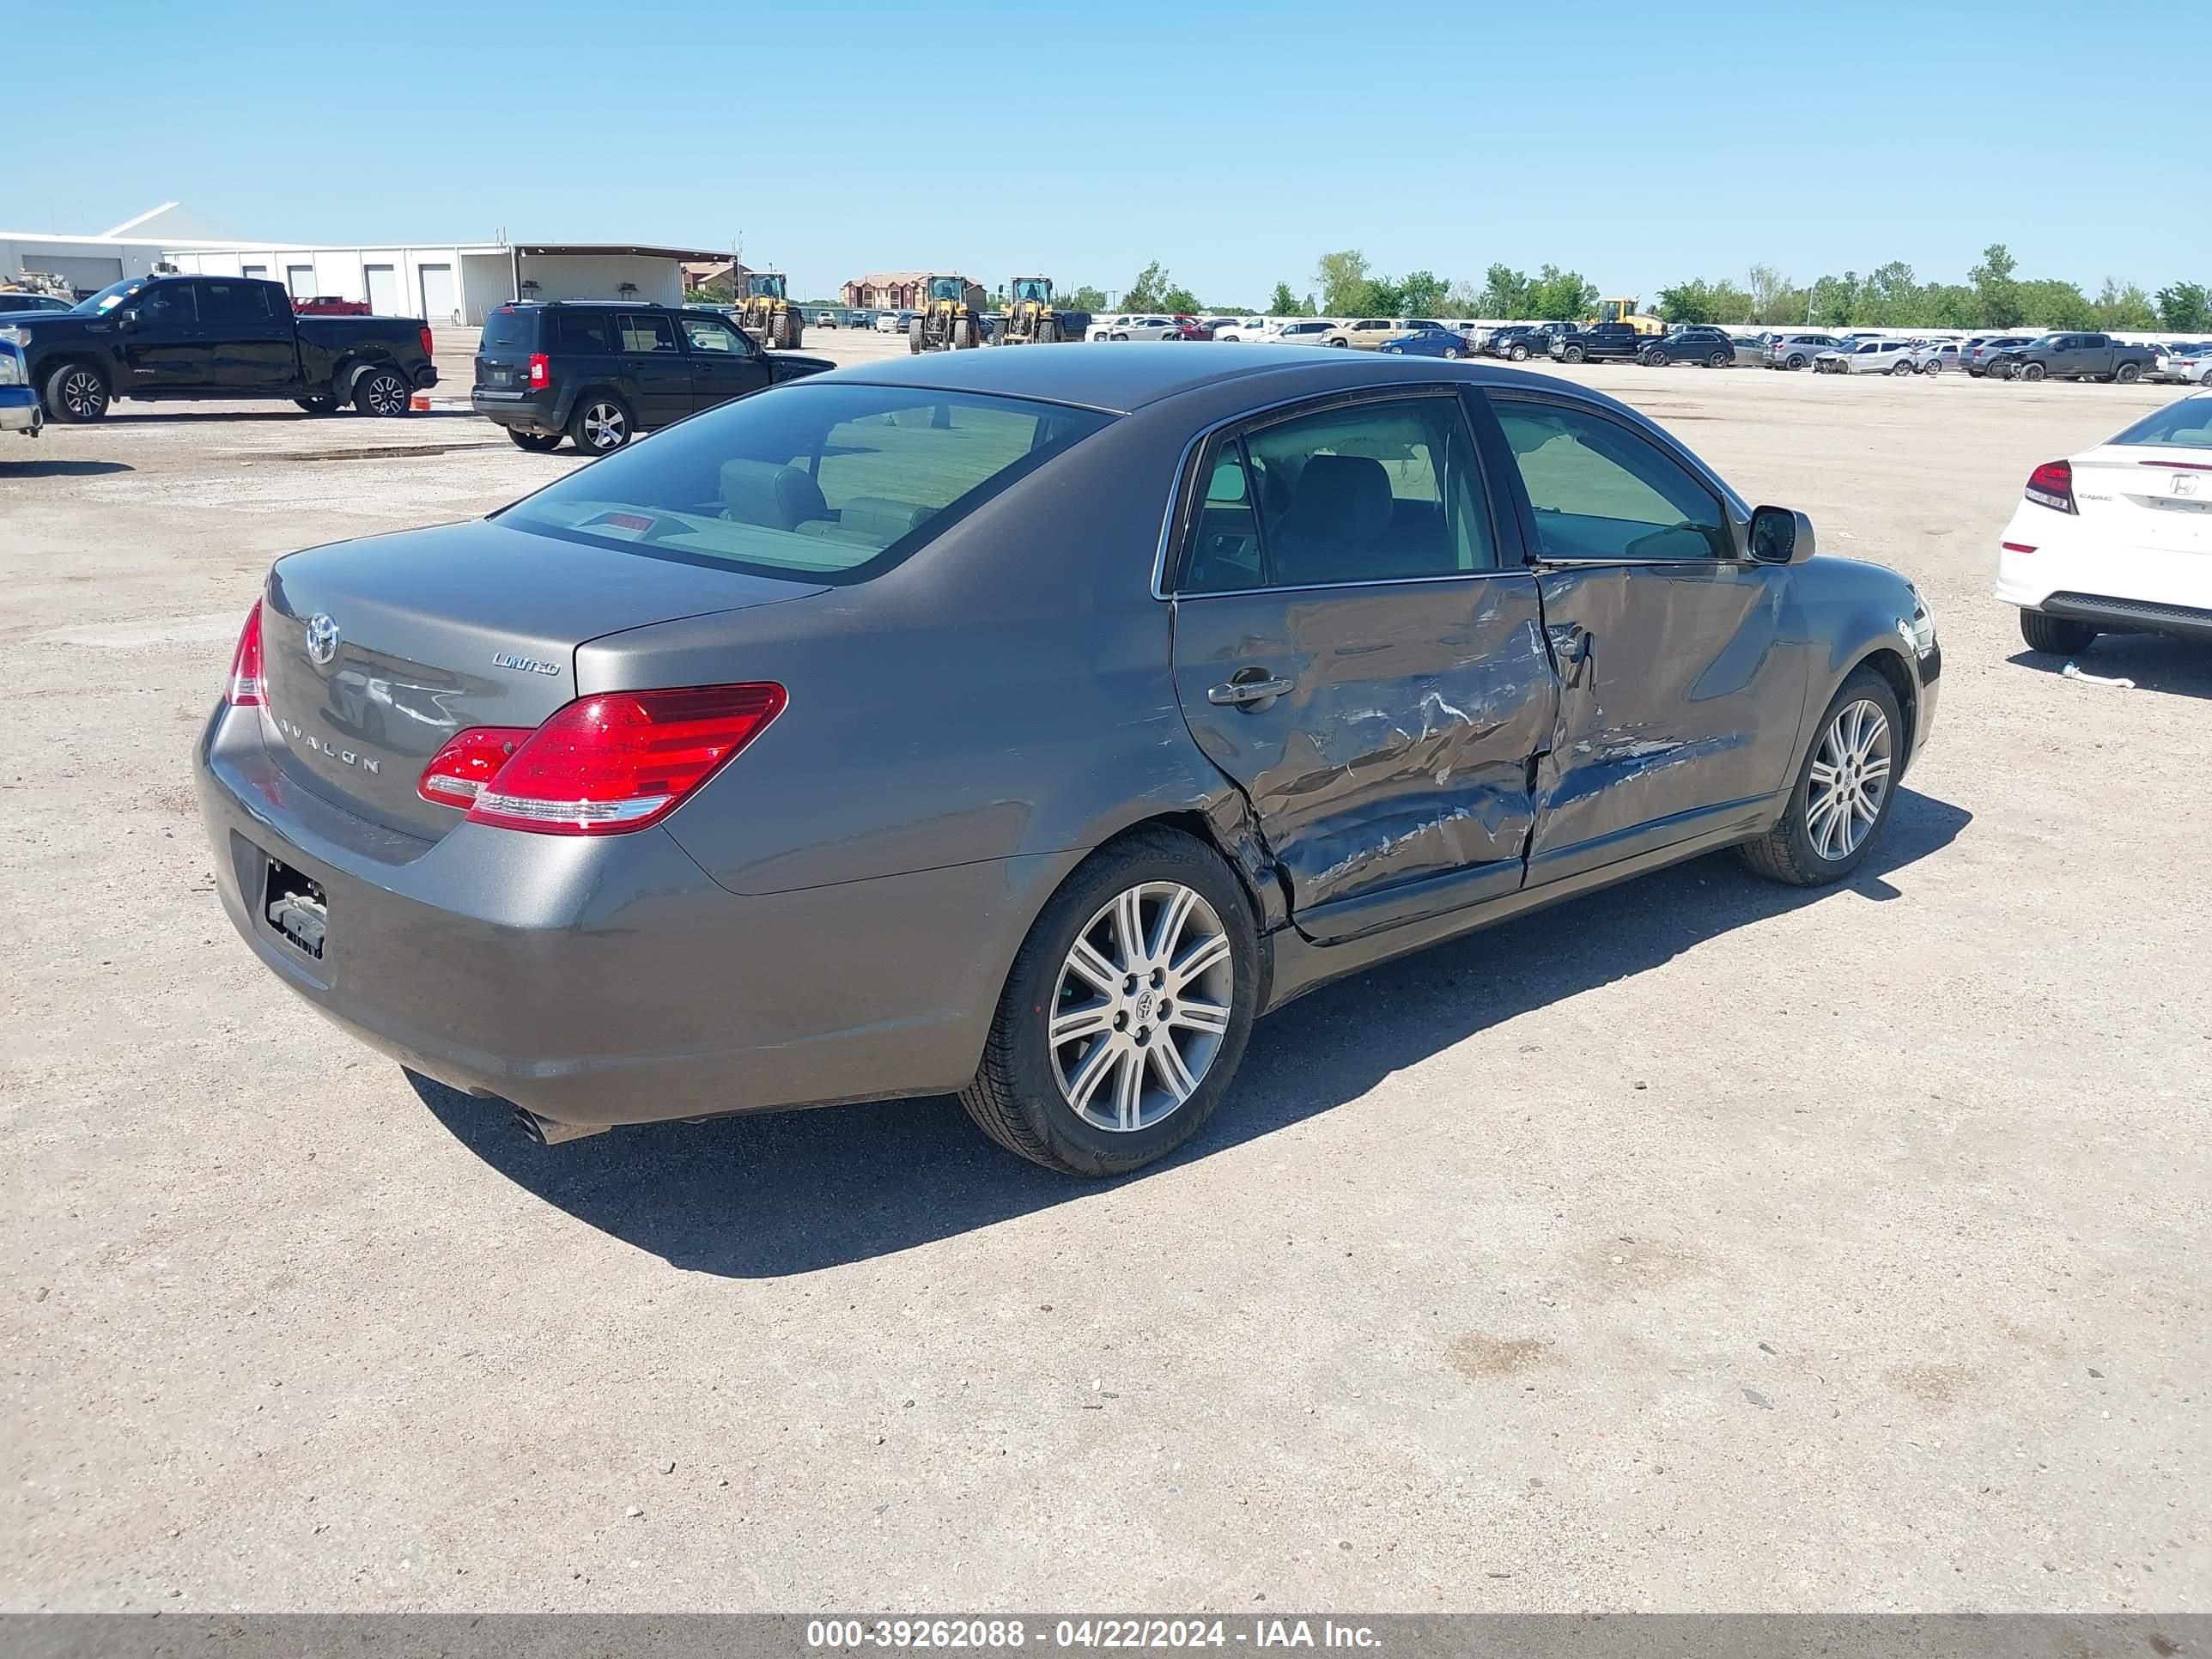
point(604, 428)
point(80, 393)
point(1142, 1007)
point(385, 395)
point(1850, 780)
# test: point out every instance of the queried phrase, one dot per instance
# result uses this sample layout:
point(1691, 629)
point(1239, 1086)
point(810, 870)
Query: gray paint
point(962, 730)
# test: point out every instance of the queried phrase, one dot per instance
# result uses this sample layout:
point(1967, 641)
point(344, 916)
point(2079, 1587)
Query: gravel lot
point(1702, 1244)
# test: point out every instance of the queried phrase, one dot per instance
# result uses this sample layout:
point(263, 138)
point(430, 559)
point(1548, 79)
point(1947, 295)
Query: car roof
point(1121, 380)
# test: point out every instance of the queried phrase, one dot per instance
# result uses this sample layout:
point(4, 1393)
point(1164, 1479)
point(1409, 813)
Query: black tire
point(1048, 331)
point(75, 393)
point(1932, 366)
point(1786, 853)
point(537, 443)
point(2030, 371)
point(1902, 365)
point(2061, 636)
point(383, 392)
point(1519, 353)
point(2128, 373)
point(317, 405)
point(913, 336)
point(602, 424)
point(1345, 344)
point(963, 334)
point(1570, 354)
point(1016, 1096)
point(1652, 359)
point(1795, 360)
point(1451, 353)
point(785, 331)
point(1721, 360)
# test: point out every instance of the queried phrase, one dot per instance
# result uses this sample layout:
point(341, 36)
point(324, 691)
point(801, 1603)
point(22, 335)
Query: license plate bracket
point(295, 905)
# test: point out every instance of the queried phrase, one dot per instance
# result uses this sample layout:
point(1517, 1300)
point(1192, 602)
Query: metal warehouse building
point(454, 283)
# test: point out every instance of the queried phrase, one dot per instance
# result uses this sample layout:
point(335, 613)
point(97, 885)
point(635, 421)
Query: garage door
point(86, 276)
point(384, 290)
point(440, 303)
point(300, 282)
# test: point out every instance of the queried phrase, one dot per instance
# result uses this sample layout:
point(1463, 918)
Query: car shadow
point(766, 1194)
point(2155, 662)
point(60, 469)
point(240, 416)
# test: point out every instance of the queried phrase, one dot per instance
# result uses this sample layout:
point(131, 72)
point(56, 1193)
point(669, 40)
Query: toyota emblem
point(322, 639)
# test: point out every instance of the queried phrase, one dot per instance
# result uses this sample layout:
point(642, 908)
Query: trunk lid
point(2153, 496)
point(438, 630)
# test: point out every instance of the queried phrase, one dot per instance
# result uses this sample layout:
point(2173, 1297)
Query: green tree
point(1343, 280)
point(1423, 294)
point(1177, 298)
point(1773, 298)
point(2185, 308)
point(1699, 301)
point(2050, 303)
point(1560, 296)
point(1995, 288)
point(1149, 291)
point(1283, 303)
point(2124, 307)
point(1086, 298)
point(1504, 293)
point(1835, 301)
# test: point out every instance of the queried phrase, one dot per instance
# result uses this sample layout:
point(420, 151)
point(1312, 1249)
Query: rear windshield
point(829, 482)
point(2184, 425)
point(509, 329)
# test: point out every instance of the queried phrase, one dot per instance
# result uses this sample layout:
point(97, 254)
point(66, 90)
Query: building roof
point(895, 278)
point(633, 249)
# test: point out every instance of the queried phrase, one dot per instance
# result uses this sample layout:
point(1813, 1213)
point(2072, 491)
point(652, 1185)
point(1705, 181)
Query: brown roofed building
point(892, 290)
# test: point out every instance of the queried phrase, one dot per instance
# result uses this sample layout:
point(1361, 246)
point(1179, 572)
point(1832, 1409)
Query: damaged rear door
point(1352, 651)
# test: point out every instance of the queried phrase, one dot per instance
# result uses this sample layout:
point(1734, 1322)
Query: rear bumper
point(609, 980)
point(524, 411)
point(2088, 579)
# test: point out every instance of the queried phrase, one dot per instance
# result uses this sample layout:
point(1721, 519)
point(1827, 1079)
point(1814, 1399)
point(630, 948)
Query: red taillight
point(247, 686)
point(427, 351)
point(2051, 485)
point(601, 765)
point(458, 772)
point(2016, 547)
point(541, 371)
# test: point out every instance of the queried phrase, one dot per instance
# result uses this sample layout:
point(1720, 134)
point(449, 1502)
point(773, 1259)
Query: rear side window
point(643, 333)
point(584, 332)
point(2184, 425)
point(1372, 492)
point(509, 330)
point(233, 302)
point(826, 482)
point(1600, 491)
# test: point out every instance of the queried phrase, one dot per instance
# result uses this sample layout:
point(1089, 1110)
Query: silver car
point(1937, 356)
point(1870, 357)
point(1024, 725)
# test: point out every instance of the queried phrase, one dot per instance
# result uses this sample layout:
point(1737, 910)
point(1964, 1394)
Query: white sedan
point(2118, 538)
point(1871, 357)
point(1248, 328)
point(1104, 327)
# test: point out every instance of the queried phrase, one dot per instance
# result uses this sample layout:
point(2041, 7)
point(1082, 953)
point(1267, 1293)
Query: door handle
point(1243, 693)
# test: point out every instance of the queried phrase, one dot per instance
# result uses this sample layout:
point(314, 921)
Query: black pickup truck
point(2073, 357)
point(1601, 342)
point(216, 337)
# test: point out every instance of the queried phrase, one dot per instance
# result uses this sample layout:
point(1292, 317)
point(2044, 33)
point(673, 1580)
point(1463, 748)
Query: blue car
point(1430, 343)
point(19, 401)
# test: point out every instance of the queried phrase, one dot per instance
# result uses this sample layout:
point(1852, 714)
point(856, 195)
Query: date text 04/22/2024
point(1109, 1633)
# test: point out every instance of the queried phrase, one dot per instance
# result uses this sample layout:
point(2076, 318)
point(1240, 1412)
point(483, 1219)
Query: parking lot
point(1705, 1243)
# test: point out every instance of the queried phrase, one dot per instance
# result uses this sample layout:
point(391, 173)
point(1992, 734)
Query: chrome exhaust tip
point(546, 1132)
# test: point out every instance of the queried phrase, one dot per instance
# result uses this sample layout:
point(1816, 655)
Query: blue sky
point(1638, 144)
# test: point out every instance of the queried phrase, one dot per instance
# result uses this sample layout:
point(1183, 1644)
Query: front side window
point(711, 334)
point(1602, 491)
point(1370, 492)
point(644, 332)
point(165, 304)
point(824, 482)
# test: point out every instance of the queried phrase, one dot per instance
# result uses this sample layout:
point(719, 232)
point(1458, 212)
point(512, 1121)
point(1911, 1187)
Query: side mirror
point(1780, 535)
point(126, 320)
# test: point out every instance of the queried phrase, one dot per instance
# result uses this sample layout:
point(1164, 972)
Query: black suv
point(1695, 343)
point(600, 372)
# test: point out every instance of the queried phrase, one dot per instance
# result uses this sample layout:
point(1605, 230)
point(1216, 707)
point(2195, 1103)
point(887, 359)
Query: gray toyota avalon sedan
point(1025, 723)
